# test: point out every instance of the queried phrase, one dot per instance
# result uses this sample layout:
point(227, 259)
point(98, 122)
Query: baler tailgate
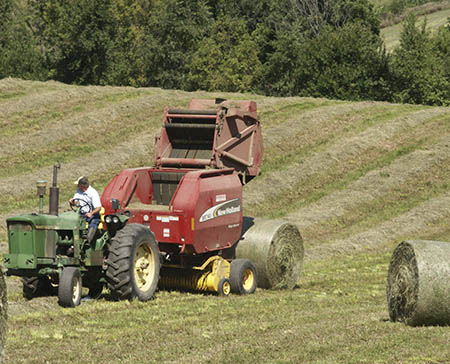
point(191, 133)
point(224, 135)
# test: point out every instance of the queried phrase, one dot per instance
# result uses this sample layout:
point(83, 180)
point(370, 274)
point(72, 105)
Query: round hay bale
point(3, 313)
point(418, 283)
point(276, 249)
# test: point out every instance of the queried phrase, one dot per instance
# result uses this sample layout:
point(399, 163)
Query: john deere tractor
point(51, 252)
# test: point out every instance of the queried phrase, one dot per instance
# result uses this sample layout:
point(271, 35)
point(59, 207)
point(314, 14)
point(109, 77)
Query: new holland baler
point(191, 200)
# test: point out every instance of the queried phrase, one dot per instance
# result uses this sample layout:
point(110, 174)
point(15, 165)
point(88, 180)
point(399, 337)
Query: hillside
point(355, 177)
point(435, 14)
point(327, 164)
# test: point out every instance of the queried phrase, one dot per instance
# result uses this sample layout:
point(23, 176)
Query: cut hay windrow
point(276, 249)
point(418, 283)
point(3, 313)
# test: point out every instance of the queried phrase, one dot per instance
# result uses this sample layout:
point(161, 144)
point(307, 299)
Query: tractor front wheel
point(69, 290)
point(242, 276)
point(133, 263)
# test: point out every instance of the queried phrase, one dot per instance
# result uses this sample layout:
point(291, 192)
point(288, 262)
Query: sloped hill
point(355, 177)
point(435, 14)
point(350, 175)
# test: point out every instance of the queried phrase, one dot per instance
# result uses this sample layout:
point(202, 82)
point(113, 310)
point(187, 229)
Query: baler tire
point(69, 289)
point(224, 287)
point(133, 264)
point(243, 276)
point(36, 287)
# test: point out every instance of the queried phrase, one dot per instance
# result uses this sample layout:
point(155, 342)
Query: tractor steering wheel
point(78, 203)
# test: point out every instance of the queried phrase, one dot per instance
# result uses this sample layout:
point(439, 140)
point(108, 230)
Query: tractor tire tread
point(120, 262)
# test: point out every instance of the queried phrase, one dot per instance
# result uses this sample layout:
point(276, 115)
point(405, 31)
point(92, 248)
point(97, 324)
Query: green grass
point(338, 314)
point(402, 199)
point(327, 181)
point(280, 112)
point(391, 34)
point(38, 118)
point(299, 146)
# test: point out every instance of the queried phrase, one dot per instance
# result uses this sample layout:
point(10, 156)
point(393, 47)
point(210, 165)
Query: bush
point(347, 63)
point(420, 66)
point(227, 60)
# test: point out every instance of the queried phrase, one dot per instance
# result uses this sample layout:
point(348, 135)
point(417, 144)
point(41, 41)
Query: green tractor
point(51, 253)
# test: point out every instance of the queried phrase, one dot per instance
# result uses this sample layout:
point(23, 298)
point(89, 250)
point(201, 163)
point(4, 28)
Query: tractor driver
point(89, 201)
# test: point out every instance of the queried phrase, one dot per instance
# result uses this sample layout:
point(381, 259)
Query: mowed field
point(433, 14)
point(355, 177)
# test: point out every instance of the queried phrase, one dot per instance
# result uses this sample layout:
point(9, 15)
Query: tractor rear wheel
point(133, 263)
point(36, 287)
point(69, 289)
point(242, 276)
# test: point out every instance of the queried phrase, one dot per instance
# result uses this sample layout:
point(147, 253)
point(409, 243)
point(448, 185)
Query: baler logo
point(225, 208)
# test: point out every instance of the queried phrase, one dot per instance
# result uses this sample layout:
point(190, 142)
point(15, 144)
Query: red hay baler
point(190, 200)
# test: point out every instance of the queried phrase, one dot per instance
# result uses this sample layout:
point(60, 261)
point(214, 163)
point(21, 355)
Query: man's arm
point(94, 211)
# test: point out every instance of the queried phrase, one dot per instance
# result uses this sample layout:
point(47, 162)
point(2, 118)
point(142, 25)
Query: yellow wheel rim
point(144, 272)
point(226, 288)
point(248, 279)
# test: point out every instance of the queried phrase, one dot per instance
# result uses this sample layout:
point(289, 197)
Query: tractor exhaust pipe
point(54, 192)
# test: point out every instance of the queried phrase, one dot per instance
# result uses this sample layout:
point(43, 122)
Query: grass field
point(435, 14)
point(356, 178)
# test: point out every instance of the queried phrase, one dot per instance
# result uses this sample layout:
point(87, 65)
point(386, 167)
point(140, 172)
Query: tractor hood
point(66, 221)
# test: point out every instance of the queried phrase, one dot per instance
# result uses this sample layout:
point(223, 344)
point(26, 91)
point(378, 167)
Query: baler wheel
point(69, 290)
point(242, 276)
point(36, 287)
point(224, 287)
point(133, 263)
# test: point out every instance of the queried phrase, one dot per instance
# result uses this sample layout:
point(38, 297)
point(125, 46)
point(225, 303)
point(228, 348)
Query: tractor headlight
point(115, 220)
point(108, 219)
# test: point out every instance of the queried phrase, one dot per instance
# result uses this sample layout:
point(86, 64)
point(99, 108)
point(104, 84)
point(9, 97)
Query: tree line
point(320, 48)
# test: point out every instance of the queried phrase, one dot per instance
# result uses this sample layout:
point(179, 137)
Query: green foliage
point(227, 60)
point(289, 47)
point(172, 34)
point(345, 63)
point(441, 48)
point(126, 56)
point(79, 33)
point(5, 17)
point(420, 66)
point(20, 51)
